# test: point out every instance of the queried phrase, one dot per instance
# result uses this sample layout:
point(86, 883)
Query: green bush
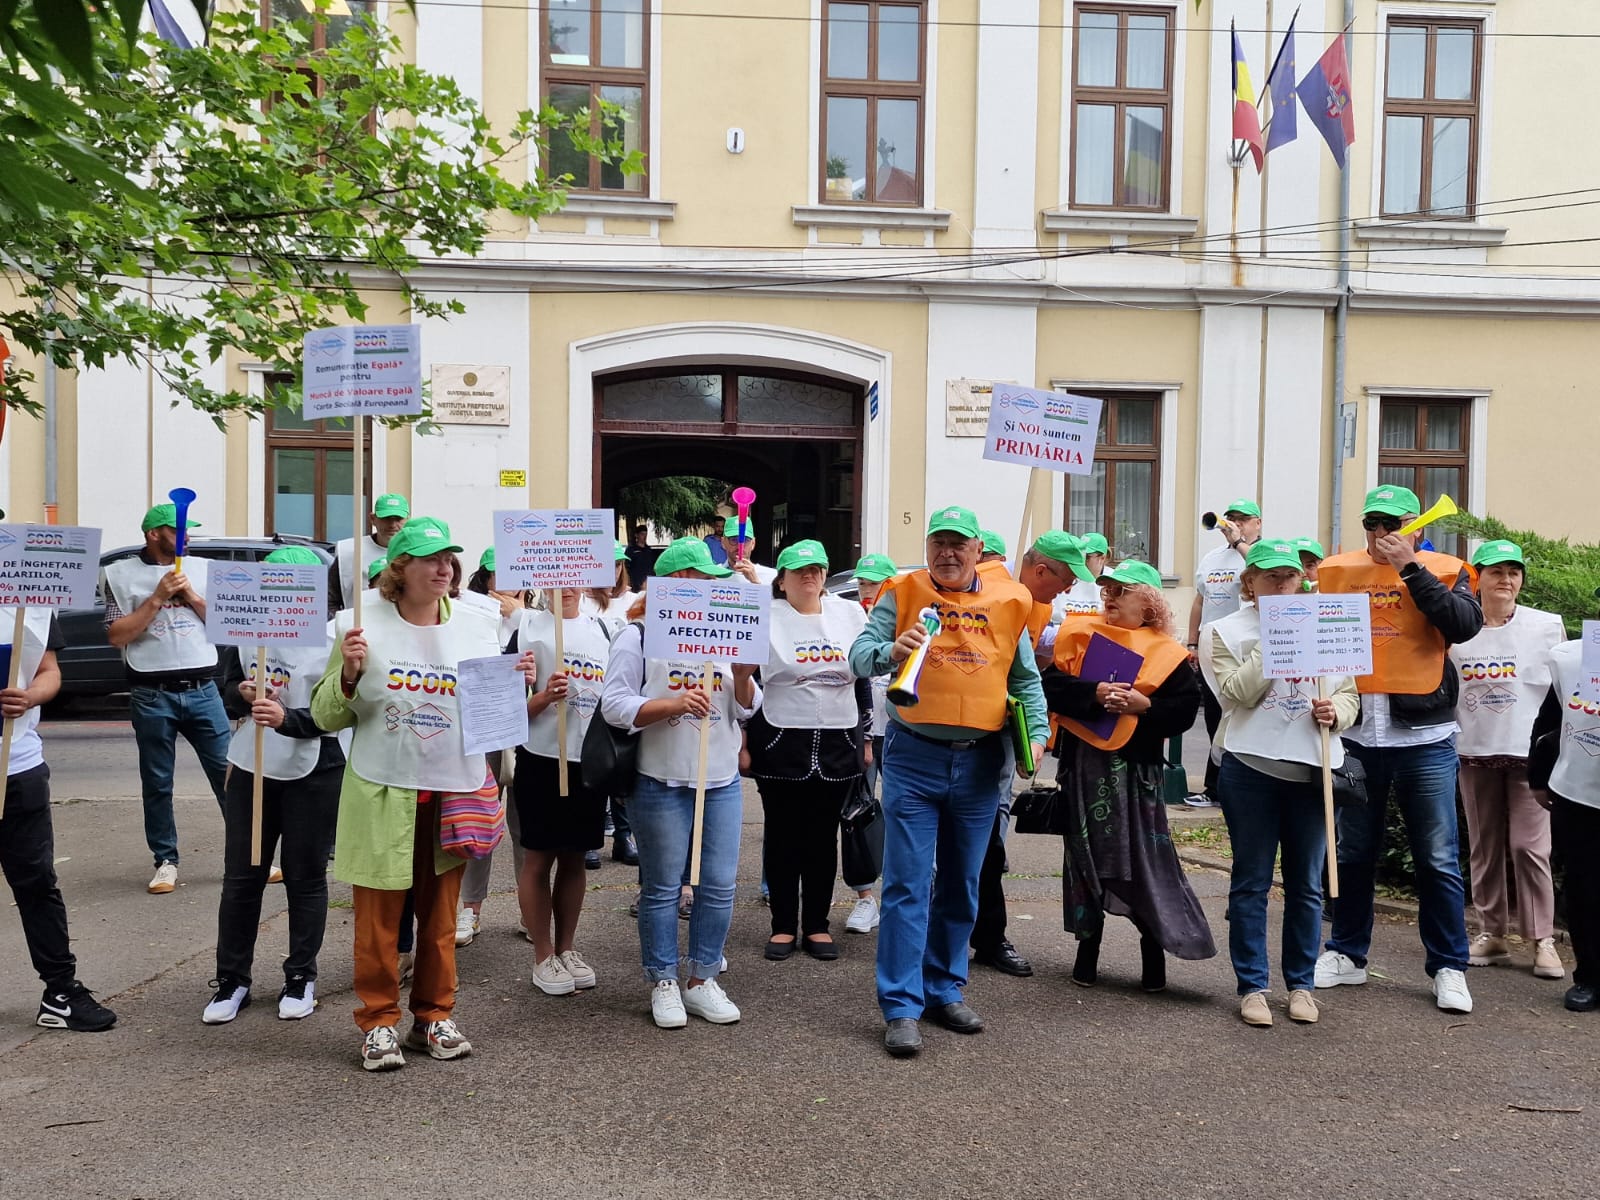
point(1561, 576)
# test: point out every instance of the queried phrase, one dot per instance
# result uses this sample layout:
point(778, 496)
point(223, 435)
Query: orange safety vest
point(996, 568)
point(963, 681)
point(1162, 656)
point(1407, 651)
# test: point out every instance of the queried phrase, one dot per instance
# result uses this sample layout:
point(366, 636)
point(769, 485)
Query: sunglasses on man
point(1383, 521)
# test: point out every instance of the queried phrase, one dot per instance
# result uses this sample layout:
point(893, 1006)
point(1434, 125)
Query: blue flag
point(1325, 93)
point(1283, 124)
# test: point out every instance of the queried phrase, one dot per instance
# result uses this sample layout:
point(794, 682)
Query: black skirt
point(550, 821)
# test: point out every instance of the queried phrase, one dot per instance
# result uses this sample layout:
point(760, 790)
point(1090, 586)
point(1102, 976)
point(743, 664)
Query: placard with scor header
point(362, 370)
point(707, 620)
point(1589, 665)
point(1054, 431)
point(49, 566)
point(278, 604)
point(554, 548)
point(1309, 635)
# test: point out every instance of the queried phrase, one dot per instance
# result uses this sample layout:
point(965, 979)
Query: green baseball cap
point(993, 543)
point(375, 567)
point(808, 553)
point(422, 537)
point(1243, 505)
point(1311, 546)
point(1392, 501)
point(1490, 553)
point(1061, 546)
point(1132, 571)
point(1094, 543)
point(730, 528)
point(486, 559)
point(302, 556)
point(1269, 556)
point(391, 504)
point(954, 520)
point(162, 514)
point(689, 554)
point(875, 568)
point(622, 551)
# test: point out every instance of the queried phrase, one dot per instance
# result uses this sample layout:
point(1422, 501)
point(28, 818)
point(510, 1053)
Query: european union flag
point(1282, 125)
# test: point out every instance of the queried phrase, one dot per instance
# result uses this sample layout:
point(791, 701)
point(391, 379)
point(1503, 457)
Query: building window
point(1122, 496)
point(1121, 107)
point(1424, 445)
point(594, 51)
point(873, 92)
point(310, 465)
point(1430, 118)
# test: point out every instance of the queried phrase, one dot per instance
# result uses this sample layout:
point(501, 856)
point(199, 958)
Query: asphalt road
point(1103, 1092)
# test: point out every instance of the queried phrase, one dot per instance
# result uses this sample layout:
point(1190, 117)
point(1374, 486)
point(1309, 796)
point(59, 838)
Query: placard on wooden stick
point(1310, 635)
point(1045, 431)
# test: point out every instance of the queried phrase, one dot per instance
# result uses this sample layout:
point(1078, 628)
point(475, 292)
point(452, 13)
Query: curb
point(1212, 862)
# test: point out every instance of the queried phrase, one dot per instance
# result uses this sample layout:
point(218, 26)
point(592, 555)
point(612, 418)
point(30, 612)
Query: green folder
point(1021, 736)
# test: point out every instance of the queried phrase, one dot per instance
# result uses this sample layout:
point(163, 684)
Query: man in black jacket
point(1422, 602)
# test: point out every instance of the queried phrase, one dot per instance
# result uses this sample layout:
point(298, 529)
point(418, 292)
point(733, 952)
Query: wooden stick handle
point(561, 705)
point(261, 745)
point(358, 573)
point(700, 779)
point(1327, 800)
point(1027, 515)
point(18, 631)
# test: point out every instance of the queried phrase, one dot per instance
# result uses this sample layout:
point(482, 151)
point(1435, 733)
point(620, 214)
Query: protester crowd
point(859, 736)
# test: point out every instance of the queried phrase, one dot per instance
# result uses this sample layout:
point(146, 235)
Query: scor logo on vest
point(680, 680)
point(957, 620)
point(431, 681)
point(277, 676)
point(585, 669)
point(826, 653)
point(1579, 704)
point(1488, 670)
point(1385, 597)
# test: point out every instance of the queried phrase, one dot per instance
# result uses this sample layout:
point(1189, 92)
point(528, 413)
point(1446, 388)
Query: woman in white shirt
point(610, 606)
point(1504, 673)
point(664, 703)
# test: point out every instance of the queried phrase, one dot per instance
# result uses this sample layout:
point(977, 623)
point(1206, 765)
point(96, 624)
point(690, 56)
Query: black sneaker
point(591, 860)
point(73, 1008)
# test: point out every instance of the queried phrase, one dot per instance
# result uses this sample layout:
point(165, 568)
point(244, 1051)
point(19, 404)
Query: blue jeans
point(158, 718)
point(663, 826)
point(939, 802)
point(1264, 813)
point(1424, 783)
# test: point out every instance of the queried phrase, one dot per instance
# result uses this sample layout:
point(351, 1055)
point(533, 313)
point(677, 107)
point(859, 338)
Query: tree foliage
point(677, 504)
point(237, 195)
point(1561, 577)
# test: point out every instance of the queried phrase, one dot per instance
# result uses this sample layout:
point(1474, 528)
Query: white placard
point(1589, 668)
point(471, 395)
point(355, 370)
point(49, 566)
point(555, 548)
point(1054, 431)
point(706, 620)
point(1308, 635)
point(494, 703)
point(276, 604)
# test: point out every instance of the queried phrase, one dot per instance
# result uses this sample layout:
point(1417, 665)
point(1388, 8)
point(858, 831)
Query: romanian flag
point(1246, 121)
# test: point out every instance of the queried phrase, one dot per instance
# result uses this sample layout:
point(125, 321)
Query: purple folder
point(1106, 661)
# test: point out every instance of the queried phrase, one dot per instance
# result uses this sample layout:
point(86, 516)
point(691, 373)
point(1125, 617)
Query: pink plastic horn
point(744, 497)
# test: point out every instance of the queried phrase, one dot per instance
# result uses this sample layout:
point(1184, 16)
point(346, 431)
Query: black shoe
point(957, 1017)
point(1581, 997)
point(777, 951)
point(1005, 959)
point(72, 1007)
point(1153, 962)
point(591, 860)
point(1086, 968)
point(902, 1038)
point(625, 850)
point(820, 950)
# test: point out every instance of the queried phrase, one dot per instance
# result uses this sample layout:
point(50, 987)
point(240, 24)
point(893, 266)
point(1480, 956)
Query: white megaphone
point(1444, 507)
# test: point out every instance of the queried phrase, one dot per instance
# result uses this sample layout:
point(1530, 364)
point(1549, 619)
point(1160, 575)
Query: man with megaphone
point(1422, 602)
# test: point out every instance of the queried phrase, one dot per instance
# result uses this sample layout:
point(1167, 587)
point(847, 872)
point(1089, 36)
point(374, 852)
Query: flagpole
point(1341, 322)
point(1266, 90)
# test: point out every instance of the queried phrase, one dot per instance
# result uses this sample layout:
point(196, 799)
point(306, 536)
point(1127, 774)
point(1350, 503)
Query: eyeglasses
point(1375, 521)
point(1110, 591)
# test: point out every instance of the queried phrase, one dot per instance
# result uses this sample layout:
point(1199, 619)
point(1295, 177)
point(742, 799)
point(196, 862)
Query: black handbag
point(1542, 758)
point(860, 807)
point(1038, 809)
point(1349, 783)
point(610, 756)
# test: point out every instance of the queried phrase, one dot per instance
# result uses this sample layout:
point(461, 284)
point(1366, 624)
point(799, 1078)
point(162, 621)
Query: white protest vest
point(584, 650)
point(344, 553)
point(408, 727)
point(176, 639)
point(504, 626)
point(1504, 673)
point(807, 683)
point(1217, 581)
point(670, 749)
point(1281, 727)
point(1577, 773)
point(294, 670)
point(27, 751)
point(614, 616)
point(1082, 597)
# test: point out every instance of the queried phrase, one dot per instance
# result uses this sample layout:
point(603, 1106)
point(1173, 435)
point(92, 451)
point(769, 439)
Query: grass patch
point(1211, 838)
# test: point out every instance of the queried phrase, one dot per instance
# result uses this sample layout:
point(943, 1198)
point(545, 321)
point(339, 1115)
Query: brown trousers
point(1508, 828)
point(377, 917)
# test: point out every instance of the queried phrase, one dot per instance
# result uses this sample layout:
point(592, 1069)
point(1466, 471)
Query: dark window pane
point(1444, 427)
point(1097, 49)
point(569, 99)
point(847, 41)
point(899, 43)
point(1086, 501)
point(1397, 429)
point(294, 485)
point(1147, 52)
point(1396, 477)
point(339, 500)
point(766, 401)
point(622, 33)
point(340, 24)
point(1136, 424)
point(631, 101)
point(1143, 140)
point(897, 152)
point(671, 398)
point(569, 32)
point(847, 148)
point(1132, 536)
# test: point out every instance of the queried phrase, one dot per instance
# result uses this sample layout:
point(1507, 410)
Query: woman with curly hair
point(1119, 855)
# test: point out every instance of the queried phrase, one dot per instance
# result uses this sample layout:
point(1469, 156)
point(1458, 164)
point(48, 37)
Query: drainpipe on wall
point(1341, 320)
point(51, 511)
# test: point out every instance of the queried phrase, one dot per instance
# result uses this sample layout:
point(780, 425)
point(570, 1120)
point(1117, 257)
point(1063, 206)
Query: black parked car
point(91, 666)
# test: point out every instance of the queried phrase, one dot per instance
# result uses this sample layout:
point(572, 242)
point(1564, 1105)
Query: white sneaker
point(666, 1005)
point(166, 878)
point(522, 930)
point(298, 999)
point(1546, 962)
point(275, 875)
point(708, 1001)
point(1334, 968)
point(1488, 950)
point(380, 1049)
point(466, 926)
point(582, 973)
point(225, 1005)
point(1450, 989)
point(864, 916)
point(552, 977)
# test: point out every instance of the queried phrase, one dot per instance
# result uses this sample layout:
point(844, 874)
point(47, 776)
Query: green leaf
point(66, 24)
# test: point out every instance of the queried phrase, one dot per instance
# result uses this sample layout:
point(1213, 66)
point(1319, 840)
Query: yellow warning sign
point(513, 479)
